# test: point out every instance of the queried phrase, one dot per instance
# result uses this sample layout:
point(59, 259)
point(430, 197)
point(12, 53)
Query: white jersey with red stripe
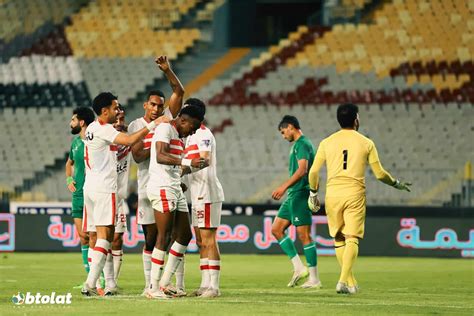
point(204, 184)
point(123, 170)
point(100, 158)
point(142, 174)
point(165, 175)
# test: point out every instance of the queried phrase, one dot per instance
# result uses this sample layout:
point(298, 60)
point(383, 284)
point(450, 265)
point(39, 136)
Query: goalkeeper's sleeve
point(313, 176)
point(381, 174)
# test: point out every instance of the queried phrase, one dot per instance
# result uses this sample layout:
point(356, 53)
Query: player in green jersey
point(75, 173)
point(295, 210)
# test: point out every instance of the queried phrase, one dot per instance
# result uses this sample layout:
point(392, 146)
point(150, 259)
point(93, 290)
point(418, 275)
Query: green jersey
point(301, 149)
point(76, 154)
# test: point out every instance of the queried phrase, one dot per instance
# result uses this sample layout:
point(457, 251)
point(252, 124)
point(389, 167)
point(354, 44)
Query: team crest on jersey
point(89, 136)
point(205, 142)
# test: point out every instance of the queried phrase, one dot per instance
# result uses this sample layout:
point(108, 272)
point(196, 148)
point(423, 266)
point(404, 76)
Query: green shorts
point(295, 209)
point(77, 204)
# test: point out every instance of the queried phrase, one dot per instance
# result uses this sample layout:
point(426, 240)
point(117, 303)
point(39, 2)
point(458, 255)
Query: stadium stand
point(52, 70)
point(123, 32)
point(410, 73)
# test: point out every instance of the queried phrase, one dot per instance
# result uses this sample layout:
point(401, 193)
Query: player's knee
point(84, 240)
point(199, 243)
point(150, 244)
point(304, 237)
point(92, 239)
point(184, 238)
point(277, 232)
point(117, 242)
point(210, 242)
point(161, 241)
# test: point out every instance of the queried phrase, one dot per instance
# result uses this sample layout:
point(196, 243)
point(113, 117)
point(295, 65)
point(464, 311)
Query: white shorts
point(206, 215)
point(168, 200)
point(100, 209)
point(121, 220)
point(145, 214)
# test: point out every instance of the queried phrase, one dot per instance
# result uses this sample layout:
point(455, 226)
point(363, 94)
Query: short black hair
point(102, 100)
point(196, 102)
point(156, 92)
point(121, 108)
point(289, 119)
point(85, 114)
point(193, 111)
point(347, 114)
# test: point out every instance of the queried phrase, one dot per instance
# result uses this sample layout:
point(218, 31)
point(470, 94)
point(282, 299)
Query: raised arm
point(176, 99)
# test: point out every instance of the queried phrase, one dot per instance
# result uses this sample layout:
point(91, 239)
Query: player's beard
point(75, 130)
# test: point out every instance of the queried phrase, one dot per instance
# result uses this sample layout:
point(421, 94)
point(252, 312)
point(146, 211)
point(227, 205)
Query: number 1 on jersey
point(344, 165)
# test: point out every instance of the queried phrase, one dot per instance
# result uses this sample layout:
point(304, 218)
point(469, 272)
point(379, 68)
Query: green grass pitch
point(250, 285)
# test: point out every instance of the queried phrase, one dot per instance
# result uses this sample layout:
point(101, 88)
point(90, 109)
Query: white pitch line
point(279, 302)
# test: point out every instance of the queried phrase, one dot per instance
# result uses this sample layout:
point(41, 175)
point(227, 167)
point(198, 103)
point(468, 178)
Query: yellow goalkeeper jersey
point(347, 154)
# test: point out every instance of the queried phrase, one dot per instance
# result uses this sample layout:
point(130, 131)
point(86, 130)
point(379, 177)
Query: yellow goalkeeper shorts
point(346, 215)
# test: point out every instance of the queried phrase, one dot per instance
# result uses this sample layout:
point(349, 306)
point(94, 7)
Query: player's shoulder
point(136, 124)
point(307, 141)
point(365, 139)
point(137, 121)
point(163, 128)
point(304, 142)
point(204, 131)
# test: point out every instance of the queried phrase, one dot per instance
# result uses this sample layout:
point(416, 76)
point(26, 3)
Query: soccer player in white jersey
point(100, 188)
point(167, 197)
point(123, 170)
point(207, 196)
point(154, 107)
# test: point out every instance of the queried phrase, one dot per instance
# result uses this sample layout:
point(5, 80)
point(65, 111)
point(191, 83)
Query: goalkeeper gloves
point(402, 185)
point(313, 201)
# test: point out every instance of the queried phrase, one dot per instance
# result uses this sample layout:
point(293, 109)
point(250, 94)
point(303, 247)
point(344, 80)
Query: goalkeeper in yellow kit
point(347, 154)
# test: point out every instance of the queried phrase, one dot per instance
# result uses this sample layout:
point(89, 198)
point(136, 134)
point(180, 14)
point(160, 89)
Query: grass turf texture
point(250, 284)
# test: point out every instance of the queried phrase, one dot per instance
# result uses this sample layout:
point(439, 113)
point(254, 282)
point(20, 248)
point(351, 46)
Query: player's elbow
point(379, 176)
point(161, 159)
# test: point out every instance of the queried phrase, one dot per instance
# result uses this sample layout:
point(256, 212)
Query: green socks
point(288, 246)
point(311, 254)
point(85, 260)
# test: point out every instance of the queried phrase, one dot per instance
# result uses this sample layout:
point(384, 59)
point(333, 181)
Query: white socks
point(297, 263)
point(215, 272)
point(146, 256)
point(174, 259)
point(98, 257)
point(180, 275)
point(157, 262)
point(313, 274)
point(205, 276)
point(118, 258)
